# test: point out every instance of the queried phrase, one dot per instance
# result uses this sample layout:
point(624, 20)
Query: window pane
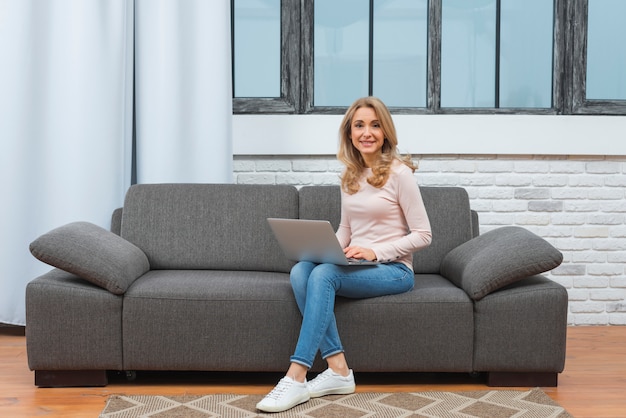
point(257, 48)
point(526, 53)
point(468, 53)
point(400, 52)
point(606, 54)
point(341, 43)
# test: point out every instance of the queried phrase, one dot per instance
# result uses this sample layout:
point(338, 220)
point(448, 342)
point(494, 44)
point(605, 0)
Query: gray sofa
point(192, 279)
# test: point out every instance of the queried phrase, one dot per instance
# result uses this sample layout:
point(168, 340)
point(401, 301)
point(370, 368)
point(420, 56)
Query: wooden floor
point(592, 385)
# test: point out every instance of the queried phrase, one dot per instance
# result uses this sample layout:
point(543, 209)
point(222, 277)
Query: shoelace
point(319, 379)
point(278, 391)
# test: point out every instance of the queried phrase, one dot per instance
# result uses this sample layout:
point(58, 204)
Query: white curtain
point(66, 115)
point(183, 91)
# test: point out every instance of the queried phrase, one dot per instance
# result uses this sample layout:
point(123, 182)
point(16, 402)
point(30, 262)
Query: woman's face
point(366, 134)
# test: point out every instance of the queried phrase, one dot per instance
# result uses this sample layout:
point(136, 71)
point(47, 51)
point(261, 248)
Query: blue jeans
point(315, 287)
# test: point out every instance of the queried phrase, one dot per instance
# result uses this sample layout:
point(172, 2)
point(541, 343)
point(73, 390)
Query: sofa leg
point(535, 379)
point(70, 378)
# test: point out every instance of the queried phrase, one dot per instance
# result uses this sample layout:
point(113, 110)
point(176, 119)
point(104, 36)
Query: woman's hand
point(359, 253)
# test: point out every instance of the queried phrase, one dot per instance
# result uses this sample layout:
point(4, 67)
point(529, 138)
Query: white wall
point(577, 202)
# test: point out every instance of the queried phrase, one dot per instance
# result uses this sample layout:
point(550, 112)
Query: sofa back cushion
point(447, 207)
point(208, 226)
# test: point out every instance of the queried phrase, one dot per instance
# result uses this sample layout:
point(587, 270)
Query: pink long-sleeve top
point(390, 220)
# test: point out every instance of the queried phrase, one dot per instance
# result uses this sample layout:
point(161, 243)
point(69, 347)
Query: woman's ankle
point(344, 371)
point(338, 364)
point(297, 372)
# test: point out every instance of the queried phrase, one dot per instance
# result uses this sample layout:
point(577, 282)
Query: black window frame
point(297, 78)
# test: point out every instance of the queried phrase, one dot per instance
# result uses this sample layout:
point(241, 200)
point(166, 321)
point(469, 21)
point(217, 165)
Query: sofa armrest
point(475, 224)
point(498, 258)
point(116, 221)
point(92, 253)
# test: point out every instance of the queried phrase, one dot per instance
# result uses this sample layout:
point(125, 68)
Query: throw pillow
point(93, 253)
point(498, 258)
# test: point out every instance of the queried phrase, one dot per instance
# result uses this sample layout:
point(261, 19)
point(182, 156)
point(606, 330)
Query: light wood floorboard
point(593, 384)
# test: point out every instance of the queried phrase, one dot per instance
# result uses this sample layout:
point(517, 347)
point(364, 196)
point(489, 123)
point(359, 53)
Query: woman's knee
point(298, 284)
point(324, 275)
point(299, 275)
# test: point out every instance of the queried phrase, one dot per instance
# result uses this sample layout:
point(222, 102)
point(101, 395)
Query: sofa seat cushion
point(209, 320)
point(93, 253)
point(499, 258)
point(429, 329)
point(228, 320)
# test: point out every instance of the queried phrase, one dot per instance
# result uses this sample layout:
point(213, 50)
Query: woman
point(382, 218)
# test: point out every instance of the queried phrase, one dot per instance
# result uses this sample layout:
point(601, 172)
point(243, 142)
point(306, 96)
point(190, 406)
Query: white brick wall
point(577, 203)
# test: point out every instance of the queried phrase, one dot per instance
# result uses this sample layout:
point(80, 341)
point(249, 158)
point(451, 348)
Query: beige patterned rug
point(488, 404)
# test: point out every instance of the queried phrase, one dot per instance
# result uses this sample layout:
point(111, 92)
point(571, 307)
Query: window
point(606, 55)
point(365, 47)
point(400, 52)
point(525, 54)
point(437, 56)
point(266, 42)
point(256, 39)
point(491, 57)
point(341, 52)
point(599, 57)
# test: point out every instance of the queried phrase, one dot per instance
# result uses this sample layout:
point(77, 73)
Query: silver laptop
point(311, 240)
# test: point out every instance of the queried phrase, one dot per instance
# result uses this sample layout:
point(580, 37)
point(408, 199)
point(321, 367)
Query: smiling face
point(366, 134)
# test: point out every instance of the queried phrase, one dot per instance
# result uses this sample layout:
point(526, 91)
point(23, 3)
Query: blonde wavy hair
point(351, 157)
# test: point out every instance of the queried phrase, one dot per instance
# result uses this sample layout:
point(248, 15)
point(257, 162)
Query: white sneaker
point(287, 394)
point(331, 383)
